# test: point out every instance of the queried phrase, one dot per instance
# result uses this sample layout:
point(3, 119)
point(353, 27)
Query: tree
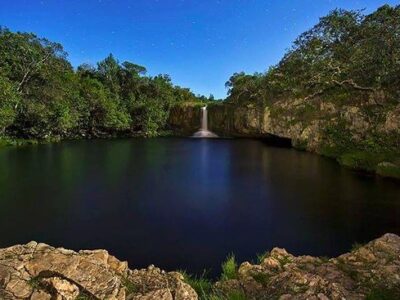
point(42, 96)
point(346, 53)
point(9, 99)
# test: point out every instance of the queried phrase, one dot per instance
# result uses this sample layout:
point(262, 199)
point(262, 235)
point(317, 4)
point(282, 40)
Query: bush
point(229, 268)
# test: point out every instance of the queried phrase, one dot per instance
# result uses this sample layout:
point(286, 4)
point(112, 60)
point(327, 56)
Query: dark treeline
point(346, 56)
point(42, 96)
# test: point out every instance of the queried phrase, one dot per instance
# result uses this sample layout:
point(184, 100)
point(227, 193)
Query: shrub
point(201, 284)
point(229, 268)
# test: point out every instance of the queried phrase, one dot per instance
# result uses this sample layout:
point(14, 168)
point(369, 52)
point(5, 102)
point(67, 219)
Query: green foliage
point(9, 99)
point(284, 260)
point(4, 142)
point(235, 295)
point(229, 268)
point(360, 160)
point(201, 284)
point(346, 56)
point(34, 282)
point(130, 287)
point(41, 96)
point(363, 154)
point(262, 256)
point(262, 278)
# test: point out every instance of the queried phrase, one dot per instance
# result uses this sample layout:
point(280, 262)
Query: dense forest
point(42, 96)
point(336, 91)
point(348, 57)
point(347, 54)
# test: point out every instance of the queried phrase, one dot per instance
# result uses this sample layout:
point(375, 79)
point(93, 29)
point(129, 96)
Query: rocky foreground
point(38, 271)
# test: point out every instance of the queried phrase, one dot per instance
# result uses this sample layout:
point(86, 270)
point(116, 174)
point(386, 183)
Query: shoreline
point(384, 169)
point(39, 271)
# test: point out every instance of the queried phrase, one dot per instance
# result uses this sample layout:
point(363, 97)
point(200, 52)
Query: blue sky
point(200, 43)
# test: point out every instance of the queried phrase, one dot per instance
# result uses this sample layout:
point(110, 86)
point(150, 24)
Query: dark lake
point(188, 203)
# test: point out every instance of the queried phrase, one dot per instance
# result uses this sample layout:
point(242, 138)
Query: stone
point(40, 295)
point(314, 125)
point(349, 276)
point(64, 288)
point(162, 294)
point(38, 271)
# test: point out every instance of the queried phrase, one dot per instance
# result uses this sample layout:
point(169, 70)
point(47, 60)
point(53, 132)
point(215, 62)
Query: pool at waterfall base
point(182, 203)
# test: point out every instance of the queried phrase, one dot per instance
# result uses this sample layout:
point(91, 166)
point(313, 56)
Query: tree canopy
point(346, 53)
point(41, 95)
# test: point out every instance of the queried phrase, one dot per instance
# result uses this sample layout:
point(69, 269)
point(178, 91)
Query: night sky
point(199, 43)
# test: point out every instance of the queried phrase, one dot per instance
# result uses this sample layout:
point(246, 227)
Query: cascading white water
point(204, 120)
point(204, 132)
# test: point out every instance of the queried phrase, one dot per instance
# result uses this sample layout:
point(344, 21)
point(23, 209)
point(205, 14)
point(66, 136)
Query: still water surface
point(187, 203)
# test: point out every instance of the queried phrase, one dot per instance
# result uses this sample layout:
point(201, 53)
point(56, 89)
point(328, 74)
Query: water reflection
point(187, 203)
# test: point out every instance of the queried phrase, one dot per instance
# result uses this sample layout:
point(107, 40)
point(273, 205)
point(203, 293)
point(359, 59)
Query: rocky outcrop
point(373, 269)
point(40, 272)
point(184, 119)
point(230, 120)
point(334, 129)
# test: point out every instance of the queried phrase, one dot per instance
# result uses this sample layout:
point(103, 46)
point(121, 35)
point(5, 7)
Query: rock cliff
point(363, 136)
point(40, 272)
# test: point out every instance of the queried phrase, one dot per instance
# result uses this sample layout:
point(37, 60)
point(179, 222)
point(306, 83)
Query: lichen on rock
point(38, 271)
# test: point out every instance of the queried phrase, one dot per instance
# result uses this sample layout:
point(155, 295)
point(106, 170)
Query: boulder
point(40, 272)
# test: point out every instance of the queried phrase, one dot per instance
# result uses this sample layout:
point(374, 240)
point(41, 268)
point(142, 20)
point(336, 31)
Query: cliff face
point(185, 119)
point(37, 271)
point(364, 136)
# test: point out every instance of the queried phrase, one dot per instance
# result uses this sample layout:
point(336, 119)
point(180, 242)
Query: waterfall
point(204, 120)
point(204, 132)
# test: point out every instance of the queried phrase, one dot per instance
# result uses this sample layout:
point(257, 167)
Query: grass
point(201, 284)
point(236, 295)
point(129, 286)
point(262, 278)
point(229, 268)
point(204, 287)
point(34, 282)
point(262, 256)
point(284, 260)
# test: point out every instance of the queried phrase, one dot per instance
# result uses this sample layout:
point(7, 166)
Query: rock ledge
point(37, 271)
